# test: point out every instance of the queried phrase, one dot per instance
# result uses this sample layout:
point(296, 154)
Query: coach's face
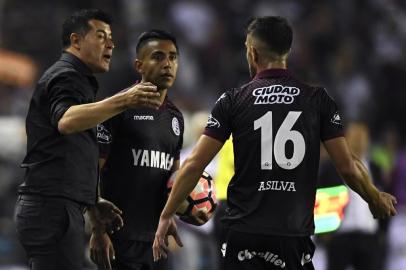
point(157, 62)
point(250, 54)
point(96, 47)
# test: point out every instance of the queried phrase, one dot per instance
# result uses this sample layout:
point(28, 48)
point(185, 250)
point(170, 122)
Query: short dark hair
point(78, 22)
point(152, 35)
point(275, 31)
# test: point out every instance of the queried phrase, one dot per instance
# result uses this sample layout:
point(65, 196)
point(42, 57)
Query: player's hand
point(101, 250)
point(160, 247)
point(143, 95)
point(108, 215)
point(198, 220)
point(384, 207)
point(173, 230)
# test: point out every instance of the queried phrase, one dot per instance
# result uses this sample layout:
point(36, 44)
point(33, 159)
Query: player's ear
point(255, 54)
point(75, 41)
point(138, 65)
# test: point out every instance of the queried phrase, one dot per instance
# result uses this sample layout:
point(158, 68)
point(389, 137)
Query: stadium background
point(353, 48)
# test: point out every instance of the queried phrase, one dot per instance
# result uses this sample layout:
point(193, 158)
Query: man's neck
point(162, 92)
point(74, 52)
point(272, 65)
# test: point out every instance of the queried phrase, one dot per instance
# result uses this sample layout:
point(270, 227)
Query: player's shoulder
point(233, 93)
point(322, 94)
point(243, 87)
point(307, 88)
point(171, 106)
point(61, 74)
point(311, 91)
point(226, 96)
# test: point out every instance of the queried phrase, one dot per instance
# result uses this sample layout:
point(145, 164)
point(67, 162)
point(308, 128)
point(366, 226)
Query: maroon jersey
point(140, 147)
point(277, 123)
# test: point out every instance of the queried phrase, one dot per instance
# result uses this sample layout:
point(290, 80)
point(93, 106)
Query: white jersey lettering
point(163, 162)
point(153, 159)
point(136, 155)
point(145, 158)
point(277, 185)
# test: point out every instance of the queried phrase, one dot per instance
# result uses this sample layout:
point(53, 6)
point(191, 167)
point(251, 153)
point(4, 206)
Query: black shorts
point(247, 251)
point(134, 255)
point(51, 230)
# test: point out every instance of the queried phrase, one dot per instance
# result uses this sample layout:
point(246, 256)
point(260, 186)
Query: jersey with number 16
point(277, 123)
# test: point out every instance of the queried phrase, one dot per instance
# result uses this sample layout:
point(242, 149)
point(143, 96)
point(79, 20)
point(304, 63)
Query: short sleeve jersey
point(277, 123)
point(140, 147)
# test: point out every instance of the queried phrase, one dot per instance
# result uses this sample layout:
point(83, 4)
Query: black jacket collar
point(77, 63)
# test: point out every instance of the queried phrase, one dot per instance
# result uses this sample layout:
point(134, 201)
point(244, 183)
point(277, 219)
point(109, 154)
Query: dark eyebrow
point(157, 52)
point(104, 32)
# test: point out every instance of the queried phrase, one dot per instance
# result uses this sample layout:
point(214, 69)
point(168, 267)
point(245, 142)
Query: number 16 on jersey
point(271, 147)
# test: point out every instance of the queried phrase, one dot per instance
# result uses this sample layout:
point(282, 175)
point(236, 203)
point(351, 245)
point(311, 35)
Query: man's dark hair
point(153, 35)
point(78, 22)
point(274, 31)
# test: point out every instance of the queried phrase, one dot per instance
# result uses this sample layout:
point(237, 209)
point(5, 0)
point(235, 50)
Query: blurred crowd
point(353, 48)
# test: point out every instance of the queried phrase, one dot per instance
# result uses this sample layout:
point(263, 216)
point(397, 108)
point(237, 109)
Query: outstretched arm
point(81, 117)
point(187, 178)
point(190, 172)
point(357, 178)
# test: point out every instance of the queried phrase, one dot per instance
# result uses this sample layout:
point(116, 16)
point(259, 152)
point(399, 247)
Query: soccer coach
point(62, 153)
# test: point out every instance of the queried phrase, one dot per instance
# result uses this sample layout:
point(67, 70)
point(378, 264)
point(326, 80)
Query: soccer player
point(62, 152)
point(276, 122)
point(139, 150)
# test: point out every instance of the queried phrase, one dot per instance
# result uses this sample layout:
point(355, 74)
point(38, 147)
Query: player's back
point(277, 123)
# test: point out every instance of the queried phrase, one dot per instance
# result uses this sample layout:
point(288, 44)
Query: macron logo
point(143, 117)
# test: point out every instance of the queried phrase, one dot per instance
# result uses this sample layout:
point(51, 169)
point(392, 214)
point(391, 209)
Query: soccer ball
point(199, 206)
